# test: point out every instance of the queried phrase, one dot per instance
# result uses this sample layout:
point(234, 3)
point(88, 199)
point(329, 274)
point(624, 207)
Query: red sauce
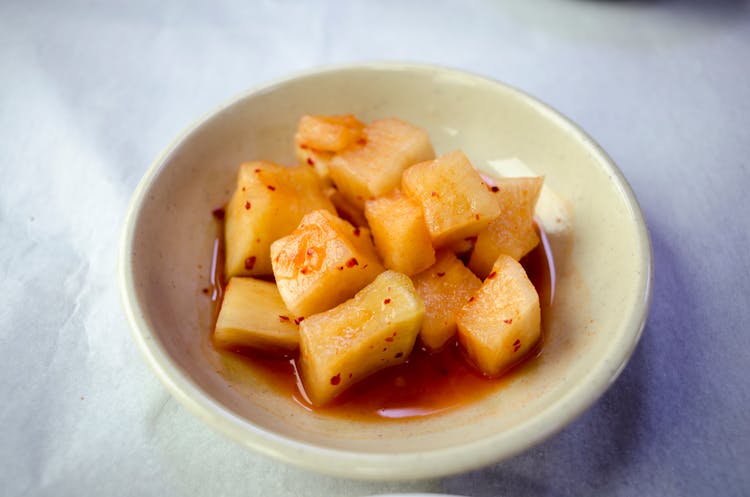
point(426, 384)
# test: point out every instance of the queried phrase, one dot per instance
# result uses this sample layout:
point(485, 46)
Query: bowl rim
point(383, 466)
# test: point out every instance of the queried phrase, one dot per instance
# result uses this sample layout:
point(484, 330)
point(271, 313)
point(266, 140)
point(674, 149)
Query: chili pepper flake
point(250, 263)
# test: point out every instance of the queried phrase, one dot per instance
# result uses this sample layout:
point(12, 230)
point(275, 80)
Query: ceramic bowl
point(603, 270)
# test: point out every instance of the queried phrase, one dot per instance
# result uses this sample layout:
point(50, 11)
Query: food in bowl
point(602, 279)
point(372, 247)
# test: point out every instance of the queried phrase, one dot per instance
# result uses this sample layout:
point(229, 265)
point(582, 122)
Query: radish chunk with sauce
point(501, 322)
point(253, 315)
point(374, 330)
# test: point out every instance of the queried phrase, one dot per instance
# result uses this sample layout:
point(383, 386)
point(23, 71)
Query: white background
point(90, 92)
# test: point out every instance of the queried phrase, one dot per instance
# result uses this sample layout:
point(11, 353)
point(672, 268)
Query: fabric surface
point(91, 91)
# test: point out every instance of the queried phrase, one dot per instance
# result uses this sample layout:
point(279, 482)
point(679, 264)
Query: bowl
point(602, 263)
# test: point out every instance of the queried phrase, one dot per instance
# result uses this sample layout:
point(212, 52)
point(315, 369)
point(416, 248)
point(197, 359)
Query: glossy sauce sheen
point(425, 384)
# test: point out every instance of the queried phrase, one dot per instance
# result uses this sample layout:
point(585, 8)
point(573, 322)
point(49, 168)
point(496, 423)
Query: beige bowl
point(603, 268)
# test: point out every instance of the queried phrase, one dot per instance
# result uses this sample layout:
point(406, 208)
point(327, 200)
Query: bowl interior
point(602, 264)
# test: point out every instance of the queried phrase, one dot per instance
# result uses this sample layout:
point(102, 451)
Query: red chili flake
point(205, 290)
point(340, 268)
point(385, 348)
point(471, 299)
point(304, 270)
point(303, 146)
point(218, 213)
point(434, 194)
point(394, 334)
point(310, 161)
point(387, 301)
point(495, 189)
point(356, 231)
point(247, 205)
point(257, 240)
point(335, 380)
point(272, 188)
point(389, 339)
point(492, 275)
point(364, 267)
point(350, 375)
point(257, 170)
point(399, 355)
point(284, 319)
point(362, 141)
point(352, 262)
point(517, 342)
point(440, 274)
point(508, 321)
point(299, 320)
point(244, 189)
point(250, 263)
point(476, 216)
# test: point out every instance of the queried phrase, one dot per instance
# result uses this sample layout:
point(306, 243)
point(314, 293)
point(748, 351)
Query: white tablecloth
point(91, 91)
